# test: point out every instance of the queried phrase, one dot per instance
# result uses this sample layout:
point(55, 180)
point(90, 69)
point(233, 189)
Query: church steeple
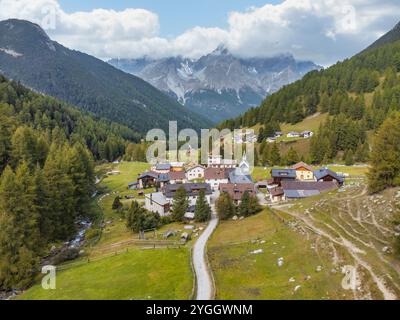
point(244, 166)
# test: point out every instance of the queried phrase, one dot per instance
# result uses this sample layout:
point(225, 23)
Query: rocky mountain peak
point(219, 85)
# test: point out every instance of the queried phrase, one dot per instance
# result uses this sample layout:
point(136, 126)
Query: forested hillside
point(28, 55)
point(42, 119)
point(47, 152)
point(358, 94)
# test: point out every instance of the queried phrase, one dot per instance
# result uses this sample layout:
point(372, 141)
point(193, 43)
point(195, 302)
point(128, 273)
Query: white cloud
point(320, 30)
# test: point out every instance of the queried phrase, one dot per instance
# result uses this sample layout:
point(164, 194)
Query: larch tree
point(225, 207)
point(385, 155)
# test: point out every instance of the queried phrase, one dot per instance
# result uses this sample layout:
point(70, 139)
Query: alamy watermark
point(49, 280)
point(186, 145)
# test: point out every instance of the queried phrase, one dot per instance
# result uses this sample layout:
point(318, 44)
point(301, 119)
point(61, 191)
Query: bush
point(117, 204)
point(165, 220)
point(66, 255)
point(92, 233)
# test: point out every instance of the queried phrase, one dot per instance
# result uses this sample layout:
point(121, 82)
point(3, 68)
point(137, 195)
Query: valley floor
point(119, 266)
point(297, 250)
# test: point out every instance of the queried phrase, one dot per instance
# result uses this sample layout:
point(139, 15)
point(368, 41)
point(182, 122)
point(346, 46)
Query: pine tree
point(19, 236)
point(24, 147)
point(80, 170)
point(362, 152)
point(135, 217)
point(292, 157)
point(41, 204)
point(275, 155)
point(349, 158)
point(224, 206)
point(61, 192)
point(266, 155)
point(249, 205)
point(202, 211)
point(385, 155)
point(180, 205)
point(5, 139)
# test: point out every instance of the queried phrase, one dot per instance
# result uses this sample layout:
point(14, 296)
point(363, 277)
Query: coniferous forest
point(358, 93)
point(47, 154)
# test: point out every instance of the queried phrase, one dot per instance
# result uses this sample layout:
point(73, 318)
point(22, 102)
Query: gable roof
point(195, 167)
point(150, 174)
point(239, 178)
point(312, 185)
point(298, 194)
point(177, 175)
point(157, 198)
point(276, 192)
point(322, 173)
point(192, 189)
point(236, 191)
point(163, 166)
point(283, 173)
point(163, 177)
point(302, 165)
point(216, 174)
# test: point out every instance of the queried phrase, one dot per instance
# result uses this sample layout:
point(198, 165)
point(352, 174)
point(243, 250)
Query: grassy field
point(160, 273)
point(316, 237)
point(137, 275)
point(129, 173)
point(351, 170)
point(239, 274)
point(311, 123)
point(359, 232)
point(117, 185)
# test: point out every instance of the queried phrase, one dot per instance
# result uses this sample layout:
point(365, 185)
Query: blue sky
point(176, 16)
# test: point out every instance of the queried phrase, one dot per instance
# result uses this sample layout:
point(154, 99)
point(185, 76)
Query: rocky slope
point(218, 85)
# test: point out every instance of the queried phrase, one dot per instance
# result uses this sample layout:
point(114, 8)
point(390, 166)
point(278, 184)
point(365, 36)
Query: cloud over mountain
point(321, 30)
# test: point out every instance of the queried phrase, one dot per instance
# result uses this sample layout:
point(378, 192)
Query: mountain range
point(355, 96)
point(218, 85)
point(29, 56)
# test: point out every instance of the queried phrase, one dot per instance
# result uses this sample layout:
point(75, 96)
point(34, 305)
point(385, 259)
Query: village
point(232, 177)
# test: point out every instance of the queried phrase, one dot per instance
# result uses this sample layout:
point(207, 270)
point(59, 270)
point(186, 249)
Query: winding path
point(205, 287)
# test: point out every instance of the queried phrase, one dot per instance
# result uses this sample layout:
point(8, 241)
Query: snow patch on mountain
point(218, 85)
point(11, 52)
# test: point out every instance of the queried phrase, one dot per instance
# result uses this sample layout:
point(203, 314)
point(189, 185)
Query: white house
point(307, 134)
point(192, 191)
point(161, 202)
point(293, 134)
point(219, 162)
point(196, 172)
point(215, 176)
point(157, 202)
